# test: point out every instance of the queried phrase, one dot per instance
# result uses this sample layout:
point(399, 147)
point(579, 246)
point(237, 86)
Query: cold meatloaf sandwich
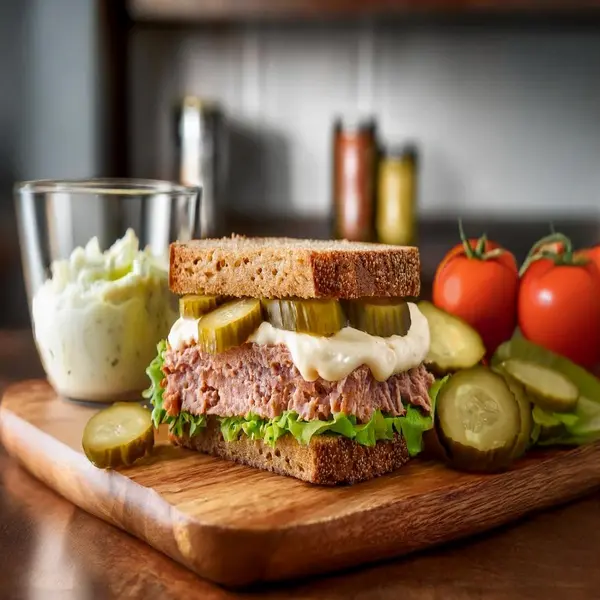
point(296, 356)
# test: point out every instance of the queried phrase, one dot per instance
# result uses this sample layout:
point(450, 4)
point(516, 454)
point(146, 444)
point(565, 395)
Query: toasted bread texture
point(286, 267)
point(327, 460)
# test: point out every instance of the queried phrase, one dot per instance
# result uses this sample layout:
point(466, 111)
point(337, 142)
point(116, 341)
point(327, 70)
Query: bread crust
point(286, 267)
point(327, 460)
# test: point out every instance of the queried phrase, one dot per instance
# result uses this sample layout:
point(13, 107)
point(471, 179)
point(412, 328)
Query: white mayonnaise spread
point(333, 358)
point(98, 319)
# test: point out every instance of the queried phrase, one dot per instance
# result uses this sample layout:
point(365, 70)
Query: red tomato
point(481, 290)
point(459, 250)
point(592, 254)
point(559, 308)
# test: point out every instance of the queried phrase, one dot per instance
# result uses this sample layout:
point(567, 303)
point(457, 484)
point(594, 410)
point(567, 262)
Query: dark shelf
point(185, 11)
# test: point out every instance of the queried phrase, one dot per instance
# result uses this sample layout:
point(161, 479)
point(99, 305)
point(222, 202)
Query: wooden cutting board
point(236, 525)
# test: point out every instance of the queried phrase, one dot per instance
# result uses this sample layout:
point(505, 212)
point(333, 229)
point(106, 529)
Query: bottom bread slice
point(327, 460)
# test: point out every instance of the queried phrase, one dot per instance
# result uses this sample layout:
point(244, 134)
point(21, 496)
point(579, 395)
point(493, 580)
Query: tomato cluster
point(554, 299)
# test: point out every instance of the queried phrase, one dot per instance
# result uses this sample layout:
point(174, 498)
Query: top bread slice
point(287, 267)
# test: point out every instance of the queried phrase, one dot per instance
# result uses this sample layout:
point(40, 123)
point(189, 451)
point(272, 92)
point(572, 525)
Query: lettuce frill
point(411, 425)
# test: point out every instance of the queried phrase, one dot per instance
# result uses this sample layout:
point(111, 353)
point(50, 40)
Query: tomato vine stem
point(479, 252)
point(465, 242)
point(559, 258)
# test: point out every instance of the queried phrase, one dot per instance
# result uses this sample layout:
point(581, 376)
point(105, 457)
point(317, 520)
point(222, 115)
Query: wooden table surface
point(50, 549)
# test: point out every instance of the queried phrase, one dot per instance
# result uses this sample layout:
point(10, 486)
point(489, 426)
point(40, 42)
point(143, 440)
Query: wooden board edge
point(231, 557)
point(436, 518)
point(391, 530)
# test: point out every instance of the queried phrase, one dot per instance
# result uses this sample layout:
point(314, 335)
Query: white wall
point(60, 123)
point(508, 120)
point(50, 115)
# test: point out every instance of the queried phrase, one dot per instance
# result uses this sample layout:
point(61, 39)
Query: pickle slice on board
point(229, 325)
point(193, 306)
point(383, 317)
point(117, 436)
point(547, 388)
point(315, 316)
point(478, 420)
point(454, 343)
point(525, 409)
point(522, 349)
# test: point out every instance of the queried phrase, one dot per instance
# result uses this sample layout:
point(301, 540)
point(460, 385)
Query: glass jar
point(96, 258)
point(396, 215)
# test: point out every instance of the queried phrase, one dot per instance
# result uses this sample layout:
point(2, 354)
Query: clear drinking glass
point(97, 316)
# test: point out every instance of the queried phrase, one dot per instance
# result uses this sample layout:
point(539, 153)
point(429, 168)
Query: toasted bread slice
point(286, 267)
point(327, 460)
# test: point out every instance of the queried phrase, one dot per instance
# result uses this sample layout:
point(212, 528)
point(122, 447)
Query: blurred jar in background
point(202, 158)
point(396, 214)
point(354, 172)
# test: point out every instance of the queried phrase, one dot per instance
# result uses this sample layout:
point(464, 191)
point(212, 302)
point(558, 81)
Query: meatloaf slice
point(264, 380)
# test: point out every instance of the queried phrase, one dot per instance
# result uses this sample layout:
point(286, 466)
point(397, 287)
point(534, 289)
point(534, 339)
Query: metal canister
point(354, 171)
point(202, 158)
point(396, 215)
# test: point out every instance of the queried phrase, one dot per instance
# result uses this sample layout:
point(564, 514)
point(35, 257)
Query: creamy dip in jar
point(98, 319)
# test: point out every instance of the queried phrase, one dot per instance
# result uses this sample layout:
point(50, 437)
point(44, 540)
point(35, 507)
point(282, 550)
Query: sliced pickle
point(550, 426)
point(454, 343)
point(525, 409)
point(383, 317)
point(478, 420)
point(117, 436)
point(316, 316)
point(547, 388)
point(229, 325)
point(193, 306)
point(522, 349)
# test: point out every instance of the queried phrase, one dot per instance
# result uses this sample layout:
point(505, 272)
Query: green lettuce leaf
point(581, 426)
point(411, 426)
point(587, 427)
point(545, 418)
point(535, 433)
point(522, 349)
point(179, 424)
point(155, 392)
point(185, 422)
point(434, 390)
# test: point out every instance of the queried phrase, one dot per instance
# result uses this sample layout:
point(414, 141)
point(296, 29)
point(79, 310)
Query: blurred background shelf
point(500, 97)
point(225, 10)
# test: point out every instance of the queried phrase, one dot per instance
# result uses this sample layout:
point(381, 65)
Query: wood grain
point(209, 514)
point(52, 549)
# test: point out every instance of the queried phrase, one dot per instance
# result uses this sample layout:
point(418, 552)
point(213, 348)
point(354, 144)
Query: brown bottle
point(354, 171)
